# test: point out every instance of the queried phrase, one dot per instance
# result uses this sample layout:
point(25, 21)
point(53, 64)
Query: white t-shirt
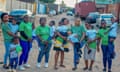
point(73, 38)
point(91, 34)
point(13, 54)
point(113, 31)
point(62, 28)
point(52, 31)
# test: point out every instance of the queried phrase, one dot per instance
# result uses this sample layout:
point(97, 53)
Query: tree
point(47, 1)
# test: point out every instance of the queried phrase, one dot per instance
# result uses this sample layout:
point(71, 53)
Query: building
point(3, 5)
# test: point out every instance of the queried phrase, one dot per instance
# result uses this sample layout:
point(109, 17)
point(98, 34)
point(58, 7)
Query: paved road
point(68, 57)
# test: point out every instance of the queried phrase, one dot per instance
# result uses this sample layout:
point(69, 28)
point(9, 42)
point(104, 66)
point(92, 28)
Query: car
point(52, 12)
point(19, 13)
point(107, 17)
point(92, 17)
point(69, 13)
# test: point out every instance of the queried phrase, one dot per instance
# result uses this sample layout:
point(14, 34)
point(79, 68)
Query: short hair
point(2, 15)
point(63, 19)
point(53, 22)
point(42, 18)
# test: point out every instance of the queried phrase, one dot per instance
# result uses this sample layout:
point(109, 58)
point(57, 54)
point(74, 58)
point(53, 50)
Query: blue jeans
point(34, 38)
point(13, 63)
point(7, 49)
point(25, 52)
point(77, 53)
point(44, 51)
point(111, 45)
point(106, 56)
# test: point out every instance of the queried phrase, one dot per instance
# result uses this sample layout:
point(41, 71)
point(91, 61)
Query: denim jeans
point(13, 63)
point(25, 52)
point(7, 49)
point(77, 53)
point(45, 50)
point(106, 56)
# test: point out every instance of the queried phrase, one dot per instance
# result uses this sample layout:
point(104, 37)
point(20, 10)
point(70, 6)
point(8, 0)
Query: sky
point(70, 3)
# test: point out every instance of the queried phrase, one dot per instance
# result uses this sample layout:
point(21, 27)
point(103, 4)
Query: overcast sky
point(70, 3)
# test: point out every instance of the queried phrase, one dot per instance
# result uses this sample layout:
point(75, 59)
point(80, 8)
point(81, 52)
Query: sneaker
point(5, 67)
point(104, 70)
point(9, 70)
point(109, 71)
point(85, 68)
point(46, 65)
point(21, 68)
point(90, 69)
point(27, 65)
point(74, 68)
point(38, 65)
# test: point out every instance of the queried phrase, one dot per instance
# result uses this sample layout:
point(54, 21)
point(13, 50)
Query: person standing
point(80, 31)
point(106, 51)
point(8, 35)
point(43, 34)
point(90, 48)
point(25, 29)
point(60, 45)
point(15, 49)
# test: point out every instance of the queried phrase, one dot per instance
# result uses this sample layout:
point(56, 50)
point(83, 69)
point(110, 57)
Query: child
point(79, 30)
point(62, 30)
point(13, 26)
point(112, 37)
point(60, 42)
point(14, 50)
point(90, 51)
point(52, 29)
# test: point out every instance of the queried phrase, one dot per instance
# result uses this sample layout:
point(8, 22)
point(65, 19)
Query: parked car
point(107, 17)
point(69, 13)
point(19, 13)
point(92, 17)
point(52, 12)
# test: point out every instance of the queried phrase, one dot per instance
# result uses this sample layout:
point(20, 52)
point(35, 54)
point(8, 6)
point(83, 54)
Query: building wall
point(3, 5)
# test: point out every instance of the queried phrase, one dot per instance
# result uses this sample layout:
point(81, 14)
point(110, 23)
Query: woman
point(43, 34)
point(106, 50)
point(25, 29)
point(60, 42)
point(79, 30)
point(8, 35)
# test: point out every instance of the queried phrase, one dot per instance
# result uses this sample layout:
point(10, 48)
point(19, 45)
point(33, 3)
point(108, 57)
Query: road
point(68, 56)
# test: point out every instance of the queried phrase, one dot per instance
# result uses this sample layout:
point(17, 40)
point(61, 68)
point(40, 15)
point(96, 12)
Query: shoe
point(85, 68)
point(14, 70)
point(21, 68)
point(27, 65)
point(109, 71)
point(9, 70)
point(104, 70)
point(5, 66)
point(74, 68)
point(38, 65)
point(90, 69)
point(46, 65)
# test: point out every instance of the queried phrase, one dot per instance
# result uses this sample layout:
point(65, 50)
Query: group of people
point(60, 37)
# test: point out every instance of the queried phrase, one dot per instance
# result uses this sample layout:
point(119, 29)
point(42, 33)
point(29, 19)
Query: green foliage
point(47, 1)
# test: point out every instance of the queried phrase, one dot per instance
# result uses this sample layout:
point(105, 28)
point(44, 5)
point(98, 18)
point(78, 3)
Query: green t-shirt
point(27, 28)
point(43, 32)
point(5, 29)
point(103, 36)
point(78, 30)
point(92, 45)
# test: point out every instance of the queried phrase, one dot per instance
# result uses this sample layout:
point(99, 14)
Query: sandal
point(62, 66)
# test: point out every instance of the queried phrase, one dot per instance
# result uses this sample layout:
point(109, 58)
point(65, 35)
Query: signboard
point(104, 1)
